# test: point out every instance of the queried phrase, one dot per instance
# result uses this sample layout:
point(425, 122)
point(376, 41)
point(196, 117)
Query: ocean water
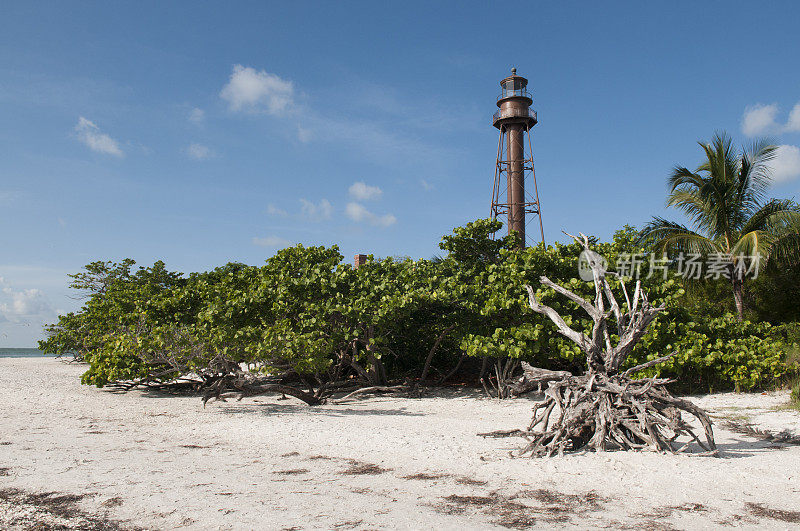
point(21, 353)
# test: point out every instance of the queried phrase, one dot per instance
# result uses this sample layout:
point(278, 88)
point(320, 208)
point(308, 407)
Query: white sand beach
point(144, 460)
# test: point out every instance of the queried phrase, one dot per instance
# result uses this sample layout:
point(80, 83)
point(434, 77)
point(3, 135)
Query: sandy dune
point(140, 460)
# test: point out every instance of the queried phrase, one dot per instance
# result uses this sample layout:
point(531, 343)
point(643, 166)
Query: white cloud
point(21, 305)
point(90, 134)
point(199, 152)
point(316, 211)
point(761, 119)
point(257, 91)
point(426, 185)
point(793, 124)
point(363, 192)
point(24, 312)
point(786, 164)
point(253, 90)
point(303, 135)
point(197, 116)
point(358, 212)
point(386, 220)
point(7, 196)
point(272, 241)
point(272, 210)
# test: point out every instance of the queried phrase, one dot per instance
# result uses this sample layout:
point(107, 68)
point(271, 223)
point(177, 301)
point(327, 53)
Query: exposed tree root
point(372, 390)
point(601, 413)
point(243, 385)
point(606, 409)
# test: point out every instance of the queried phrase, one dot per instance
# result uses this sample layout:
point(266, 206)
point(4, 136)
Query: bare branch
point(577, 299)
point(647, 364)
point(580, 339)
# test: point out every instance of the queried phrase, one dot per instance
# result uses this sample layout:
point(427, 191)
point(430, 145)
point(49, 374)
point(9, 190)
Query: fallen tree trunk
point(243, 388)
point(533, 378)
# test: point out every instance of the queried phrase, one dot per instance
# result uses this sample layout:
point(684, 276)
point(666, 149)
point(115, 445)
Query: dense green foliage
point(308, 318)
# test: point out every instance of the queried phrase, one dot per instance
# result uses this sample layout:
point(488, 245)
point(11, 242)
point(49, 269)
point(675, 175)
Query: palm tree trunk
point(738, 296)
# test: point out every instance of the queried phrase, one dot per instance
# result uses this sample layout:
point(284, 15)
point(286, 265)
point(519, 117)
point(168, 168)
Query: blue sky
point(202, 133)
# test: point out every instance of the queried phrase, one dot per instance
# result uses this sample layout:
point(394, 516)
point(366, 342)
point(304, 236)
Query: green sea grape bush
point(113, 296)
point(717, 354)
point(305, 318)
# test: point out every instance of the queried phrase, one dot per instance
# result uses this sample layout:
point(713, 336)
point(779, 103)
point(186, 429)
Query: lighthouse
point(515, 118)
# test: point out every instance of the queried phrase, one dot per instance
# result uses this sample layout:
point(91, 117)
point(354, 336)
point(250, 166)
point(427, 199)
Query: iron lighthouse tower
point(515, 118)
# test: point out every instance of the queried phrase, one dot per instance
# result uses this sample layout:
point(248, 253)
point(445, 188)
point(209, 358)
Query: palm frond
point(692, 204)
point(785, 227)
point(672, 238)
point(754, 242)
point(755, 176)
point(720, 169)
point(684, 178)
point(721, 162)
point(773, 216)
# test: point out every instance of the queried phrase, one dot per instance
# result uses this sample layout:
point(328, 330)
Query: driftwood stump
point(605, 408)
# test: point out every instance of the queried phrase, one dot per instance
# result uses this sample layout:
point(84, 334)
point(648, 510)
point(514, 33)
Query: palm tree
point(725, 201)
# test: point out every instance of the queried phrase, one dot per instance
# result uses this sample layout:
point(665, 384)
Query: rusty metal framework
point(502, 205)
